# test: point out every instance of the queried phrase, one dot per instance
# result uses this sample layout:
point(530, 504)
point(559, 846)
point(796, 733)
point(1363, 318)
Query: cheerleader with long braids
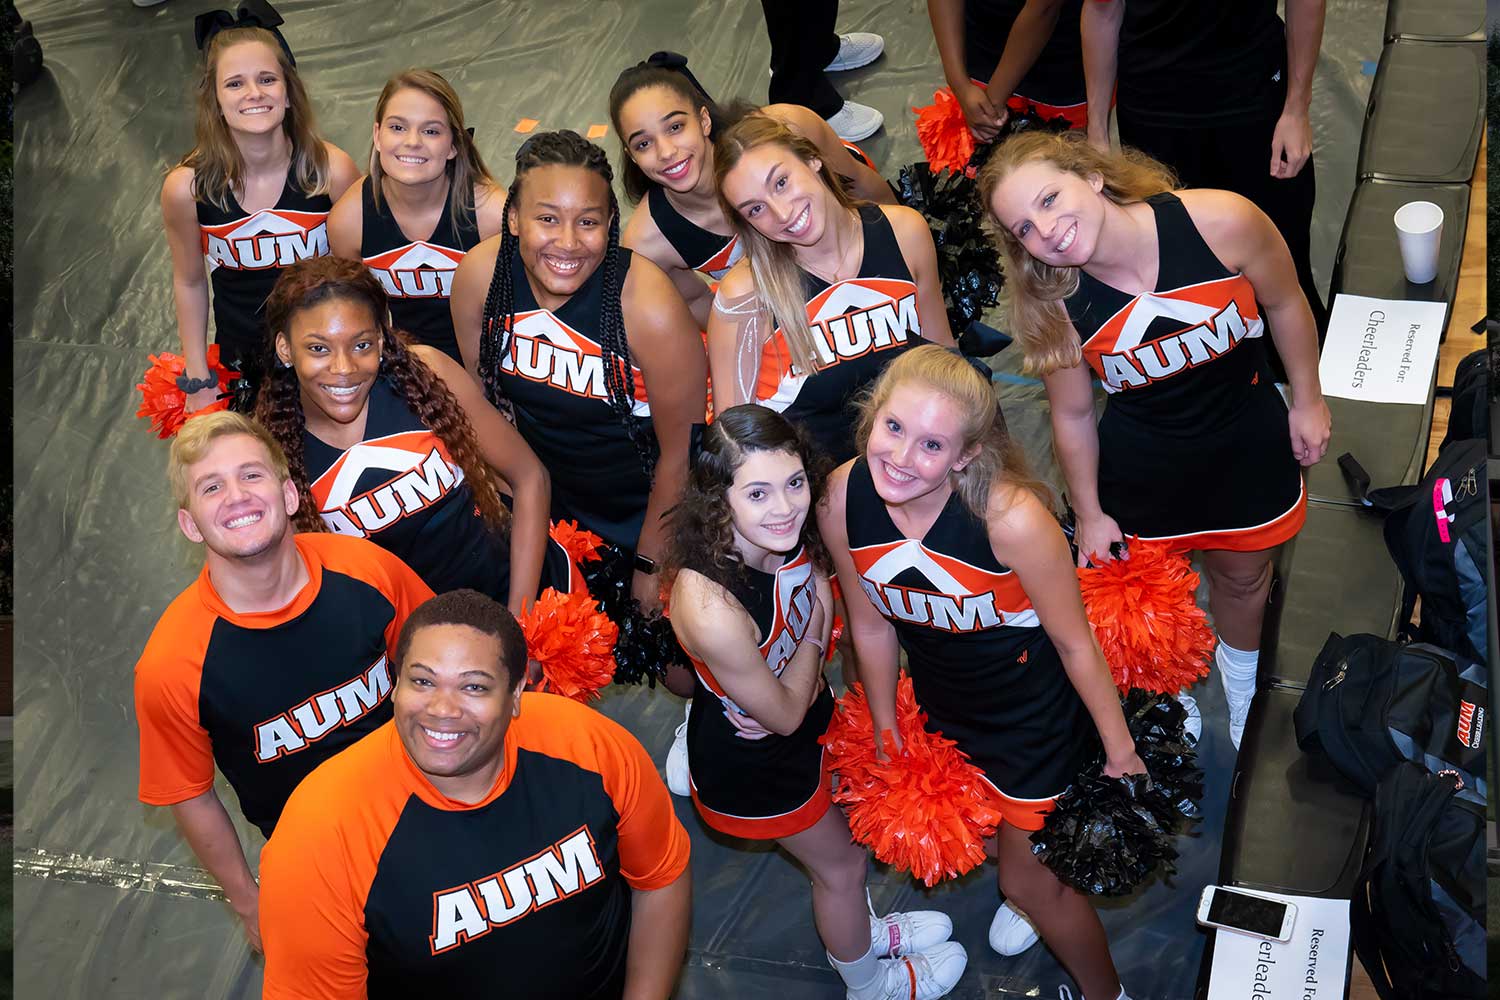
point(591, 347)
point(256, 153)
point(947, 550)
point(667, 124)
point(427, 200)
point(393, 441)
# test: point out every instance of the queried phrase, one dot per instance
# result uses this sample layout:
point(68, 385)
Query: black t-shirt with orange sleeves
point(982, 667)
point(376, 884)
point(245, 253)
point(859, 326)
point(269, 696)
point(553, 374)
point(1194, 445)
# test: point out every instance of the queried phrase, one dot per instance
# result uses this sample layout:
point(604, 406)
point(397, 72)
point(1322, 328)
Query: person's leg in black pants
point(802, 43)
point(1230, 158)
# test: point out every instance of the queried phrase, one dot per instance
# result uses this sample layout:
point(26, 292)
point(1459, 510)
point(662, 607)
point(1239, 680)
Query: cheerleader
point(946, 549)
point(393, 441)
point(251, 197)
point(830, 290)
point(750, 603)
point(667, 125)
point(1159, 294)
point(426, 202)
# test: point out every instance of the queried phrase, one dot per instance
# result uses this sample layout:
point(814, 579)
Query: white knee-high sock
point(863, 976)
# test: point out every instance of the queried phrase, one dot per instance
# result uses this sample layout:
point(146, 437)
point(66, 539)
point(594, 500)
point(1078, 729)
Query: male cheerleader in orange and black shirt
point(274, 660)
point(486, 842)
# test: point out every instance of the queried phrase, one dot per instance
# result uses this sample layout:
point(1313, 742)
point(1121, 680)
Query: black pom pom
point(1107, 836)
point(647, 646)
point(968, 263)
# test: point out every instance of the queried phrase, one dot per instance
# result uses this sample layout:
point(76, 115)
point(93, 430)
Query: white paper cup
point(1419, 228)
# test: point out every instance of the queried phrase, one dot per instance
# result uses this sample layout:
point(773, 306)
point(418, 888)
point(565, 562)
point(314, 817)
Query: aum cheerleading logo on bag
point(1470, 724)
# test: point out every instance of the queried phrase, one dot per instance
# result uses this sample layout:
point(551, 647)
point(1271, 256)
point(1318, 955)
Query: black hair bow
point(249, 14)
point(677, 61)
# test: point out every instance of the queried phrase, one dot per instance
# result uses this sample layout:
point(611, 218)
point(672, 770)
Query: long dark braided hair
point(568, 149)
point(308, 283)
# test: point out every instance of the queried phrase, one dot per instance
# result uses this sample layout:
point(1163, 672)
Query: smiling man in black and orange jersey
point(484, 843)
point(272, 661)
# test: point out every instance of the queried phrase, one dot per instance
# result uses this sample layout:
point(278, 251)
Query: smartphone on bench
point(1245, 911)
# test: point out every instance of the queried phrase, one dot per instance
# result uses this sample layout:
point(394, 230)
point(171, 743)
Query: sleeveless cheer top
point(245, 252)
point(417, 274)
point(981, 665)
point(860, 325)
point(401, 489)
point(761, 785)
point(1193, 444)
point(706, 252)
point(1056, 78)
point(553, 375)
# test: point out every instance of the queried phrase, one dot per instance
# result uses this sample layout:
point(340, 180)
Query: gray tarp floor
point(109, 902)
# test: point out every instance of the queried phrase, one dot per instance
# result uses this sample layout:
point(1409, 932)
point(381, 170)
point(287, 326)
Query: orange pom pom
point(944, 134)
point(1144, 610)
point(580, 544)
point(162, 402)
point(925, 809)
point(573, 641)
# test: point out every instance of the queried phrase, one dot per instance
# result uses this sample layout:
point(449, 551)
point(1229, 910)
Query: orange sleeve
point(315, 875)
point(654, 846)
point(176, 755)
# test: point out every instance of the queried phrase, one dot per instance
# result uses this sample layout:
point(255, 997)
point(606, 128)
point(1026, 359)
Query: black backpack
point(1417, 914)
point(1437, 535)
point(1469, 416)
point(1371, 704)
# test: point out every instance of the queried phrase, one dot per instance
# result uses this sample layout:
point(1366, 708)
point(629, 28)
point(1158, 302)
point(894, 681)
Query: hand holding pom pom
point(1145, 612)
point(164, 404)
point(924, 809)
point(573, 641)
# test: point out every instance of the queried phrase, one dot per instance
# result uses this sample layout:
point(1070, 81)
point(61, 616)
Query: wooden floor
point(1468, 307)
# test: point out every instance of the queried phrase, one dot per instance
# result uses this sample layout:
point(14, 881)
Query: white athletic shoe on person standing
point(1193, 724)
point(679, 778)
point(925, 975)
point(1011, 932)
point(898, 934)
point(856, 121)
point(856, 49)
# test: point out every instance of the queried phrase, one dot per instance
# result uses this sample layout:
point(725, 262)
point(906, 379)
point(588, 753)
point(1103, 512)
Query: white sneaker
point(1063, 993)
point(856, 49)
point(1239, 711)
point(899, 934)
point(924, 976)
point(679, 778)
point(1193, 724)
point(856, 121)
point(1010, 932)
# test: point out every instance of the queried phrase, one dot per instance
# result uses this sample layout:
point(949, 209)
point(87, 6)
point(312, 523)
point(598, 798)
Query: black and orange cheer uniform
point(245, 253)
point(1194, 446)
point(553, 375)
point(376, 884)
point(709, 253)
point(417, 274)
point(401, 489)
point(748, 782)
point(269, 696)
point(1054, 86)
point(859, 325)
point(982, 667)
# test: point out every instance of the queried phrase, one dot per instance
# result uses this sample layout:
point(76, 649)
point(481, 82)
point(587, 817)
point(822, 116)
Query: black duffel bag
point(1372, 703)
point(1417, 915)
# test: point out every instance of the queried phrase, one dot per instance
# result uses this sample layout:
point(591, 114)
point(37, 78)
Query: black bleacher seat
point(1426, 113)
point(1390, 441)
point(1335, 576)
point(1435, 20)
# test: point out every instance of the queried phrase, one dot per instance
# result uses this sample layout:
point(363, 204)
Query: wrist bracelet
point(814, 640)
point(645, 564)
point(190, 385)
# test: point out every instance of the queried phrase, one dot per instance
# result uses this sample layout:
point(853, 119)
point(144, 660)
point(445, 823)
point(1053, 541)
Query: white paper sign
point(1381, 350)
point(1308, 967)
